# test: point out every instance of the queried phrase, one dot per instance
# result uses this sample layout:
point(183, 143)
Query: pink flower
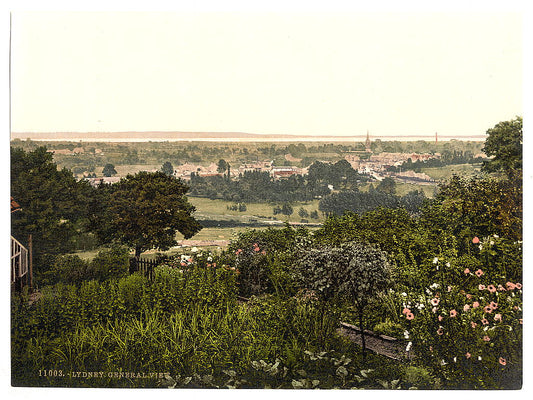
point(502, 361)
point(467, 271)
point(486, 338)
point(473, 325)
point(491, 288)
point(520, 320)
point(468, 355)
point(406, 310)
point(475, 304)
point(479, 272)
point(485, 321)
point(481, 287)
point(434, 309)
point(498, 317)
point(453, 313)
point(440, 318)
point(263, 252)
point(440, 331)
point(501, 288)
point(475, 240)
point(409, 316)
point(487, 309)
point(435, 302)
point(510, 285)
point(466, 307)
point(494, 305)
point(519, 286)
point(468, 296)
point(239, 251)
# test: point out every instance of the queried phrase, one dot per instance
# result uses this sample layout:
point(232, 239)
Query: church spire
point(367, 143)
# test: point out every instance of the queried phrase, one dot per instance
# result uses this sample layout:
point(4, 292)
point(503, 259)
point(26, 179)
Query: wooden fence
point(144, 266)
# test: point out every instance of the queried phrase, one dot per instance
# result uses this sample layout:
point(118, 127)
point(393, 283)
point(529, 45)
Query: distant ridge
point(178, 135)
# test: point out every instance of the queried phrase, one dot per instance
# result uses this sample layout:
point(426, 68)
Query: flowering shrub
point(468, 330)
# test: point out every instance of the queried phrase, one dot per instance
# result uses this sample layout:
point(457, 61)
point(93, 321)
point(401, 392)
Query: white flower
point(443, 362)
point(491, 242)
point(435, 260)
point(486, 328)
point(406, 334)
point(479, 358)
point(496, 236)
point(480, 247)
point(510, 328)
point(455, 359)
point(428, 291)
point(194, 249)
point(408, 346)
point(404, 294)
point(434, 286)
point(448, 264)
point(209, 258)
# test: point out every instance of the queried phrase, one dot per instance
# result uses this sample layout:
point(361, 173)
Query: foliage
point(145, 211)
point(109, 170)
point(361, 202)
point(476, 207)
point(467, 329)
point(263, 259)
point(69, 269)
point(504, 144)
point(167, 168)
point(53, 204)
point(110, 263)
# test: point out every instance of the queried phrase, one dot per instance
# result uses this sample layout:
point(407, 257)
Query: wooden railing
point(144, 266)
point(19, 260)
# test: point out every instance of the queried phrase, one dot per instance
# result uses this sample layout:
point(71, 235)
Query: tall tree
point(167, 168)
point(504, 144)
point(109, 170)
point(147, 209)
point(52, 203)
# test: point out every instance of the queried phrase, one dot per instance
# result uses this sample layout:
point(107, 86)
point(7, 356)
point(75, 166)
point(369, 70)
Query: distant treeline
point(98, 154)
point(361, 202)
point(446, 158)
point(257, 187)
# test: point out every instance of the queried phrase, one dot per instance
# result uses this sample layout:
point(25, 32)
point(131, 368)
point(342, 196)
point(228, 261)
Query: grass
point(215, 209)
point(403, 188)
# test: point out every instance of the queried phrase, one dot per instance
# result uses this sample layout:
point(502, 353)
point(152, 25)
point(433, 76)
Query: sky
point(333, 72)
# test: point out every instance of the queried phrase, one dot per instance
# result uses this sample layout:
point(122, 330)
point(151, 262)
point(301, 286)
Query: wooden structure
point(19, 263)
point(145, 267)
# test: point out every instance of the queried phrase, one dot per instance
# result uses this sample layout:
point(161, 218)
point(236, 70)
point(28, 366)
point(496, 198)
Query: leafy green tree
point(222, 166)
point(504, 144)
point(145, 211)
point(352, 273)
point(109, 170)
point(53, 204)
point(286, 209)
point(303, 213)
point(111, 263)
point(387, 185)
point(167, 168)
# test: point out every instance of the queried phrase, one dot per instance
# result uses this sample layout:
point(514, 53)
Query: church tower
point(367, 143)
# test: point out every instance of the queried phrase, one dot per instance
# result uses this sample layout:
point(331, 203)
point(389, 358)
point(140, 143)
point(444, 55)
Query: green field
point(218, 210)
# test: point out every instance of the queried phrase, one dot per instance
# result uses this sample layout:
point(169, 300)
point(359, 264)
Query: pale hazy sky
point(281, 73)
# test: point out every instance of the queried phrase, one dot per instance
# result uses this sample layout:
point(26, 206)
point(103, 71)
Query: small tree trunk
point(362, 327)
point(138, 251)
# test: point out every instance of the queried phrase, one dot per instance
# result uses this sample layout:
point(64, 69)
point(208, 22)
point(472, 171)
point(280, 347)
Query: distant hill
point(142, 135)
